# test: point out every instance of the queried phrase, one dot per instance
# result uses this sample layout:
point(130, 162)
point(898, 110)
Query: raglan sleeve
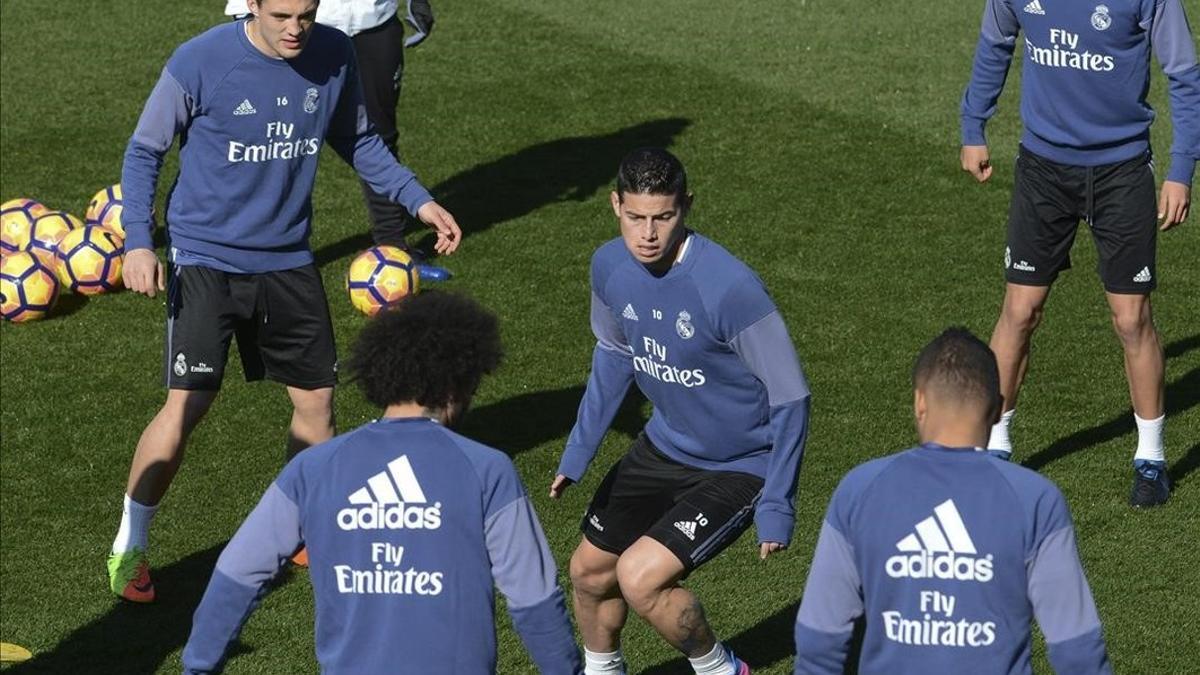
point(993, 55)
point(1059, 593)
point(1175, 49)
point(355, 140)
point(260, 548)
point(168, 111)
point(766, 349)
point(608, 382)
point(525, 573)
point(832, 599)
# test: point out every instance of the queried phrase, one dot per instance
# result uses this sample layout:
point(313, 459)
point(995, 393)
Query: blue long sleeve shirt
point(1085, 78)
point(949, 553)
point(250, 131)
point(408, 528)
point(706, 345)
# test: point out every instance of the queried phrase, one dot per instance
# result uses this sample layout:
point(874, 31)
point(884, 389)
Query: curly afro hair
point(433, 349)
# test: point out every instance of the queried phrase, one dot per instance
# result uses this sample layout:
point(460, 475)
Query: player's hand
point(768, 547)
point(559, 486)
point(142, 272)
point(1174, 202)
point(976, 161)
point(448, 232)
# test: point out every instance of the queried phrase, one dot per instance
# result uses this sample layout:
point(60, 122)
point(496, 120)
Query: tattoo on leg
point(696, 637)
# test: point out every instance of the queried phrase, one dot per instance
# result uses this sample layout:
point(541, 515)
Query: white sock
point(717, 662)
point(603, 663)
point(1150, 439)
point(999, 439)
point(135, 527)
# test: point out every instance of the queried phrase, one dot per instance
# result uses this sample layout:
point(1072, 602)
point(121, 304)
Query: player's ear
point(685, 203)
point(920, 407)
point(615, 198)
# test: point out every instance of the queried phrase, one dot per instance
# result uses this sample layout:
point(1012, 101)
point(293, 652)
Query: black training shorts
point(281, 320)
point(693, 512)
point(1117, 201)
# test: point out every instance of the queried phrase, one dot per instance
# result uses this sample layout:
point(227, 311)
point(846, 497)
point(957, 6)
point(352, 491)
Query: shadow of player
point(132, 638)
point(524, 422)
point(1181, 395)
point(504, 189)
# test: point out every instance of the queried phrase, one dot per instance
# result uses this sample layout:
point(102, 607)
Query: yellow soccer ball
point(28, 288)
point(105, 210)
point(16, 219)
point(89, 260)
point(379, 277)
point(47, 231)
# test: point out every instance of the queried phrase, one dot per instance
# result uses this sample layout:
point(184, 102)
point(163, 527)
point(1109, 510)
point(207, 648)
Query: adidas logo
point(687, 527)
point(1143, 276)
point(1035, 7)
point(244, 108)
point(941, 548)
point(389, 501)
point(629, 313)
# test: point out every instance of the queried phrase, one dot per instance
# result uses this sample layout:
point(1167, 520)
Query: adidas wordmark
point(391, 500)
point(941, 548)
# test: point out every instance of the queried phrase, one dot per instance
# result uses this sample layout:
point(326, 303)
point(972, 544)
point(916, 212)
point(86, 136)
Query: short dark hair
point(958, 364)
point(651, 171)
point(433, 348)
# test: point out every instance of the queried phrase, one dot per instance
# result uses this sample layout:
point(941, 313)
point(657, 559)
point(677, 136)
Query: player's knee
point(639, 584)
point(184, 409)
point(313, 406)
point(1133, 326)
point(593, 578)
point(1023, 315)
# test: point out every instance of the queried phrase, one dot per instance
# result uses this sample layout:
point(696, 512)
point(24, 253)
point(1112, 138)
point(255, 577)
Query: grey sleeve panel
point(766, 349)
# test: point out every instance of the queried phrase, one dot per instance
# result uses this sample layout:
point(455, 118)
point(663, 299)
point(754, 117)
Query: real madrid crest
point(180, 364)
point(1100, 18)
point(683, 326)
point(310, 98)
point(1007, 257)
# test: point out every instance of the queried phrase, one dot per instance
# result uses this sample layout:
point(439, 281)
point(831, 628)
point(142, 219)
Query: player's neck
point(256, 39)
point(954, 432)
point(414, 409)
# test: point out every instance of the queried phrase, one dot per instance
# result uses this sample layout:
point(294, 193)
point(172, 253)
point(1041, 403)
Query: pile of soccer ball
point(43, 251)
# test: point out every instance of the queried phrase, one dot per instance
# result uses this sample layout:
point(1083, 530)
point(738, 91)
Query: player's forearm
point(1176, 51)
point(546, 632)
point(370, 158)
point(993, 55)
point(775, 513)
point(218, 620)
point(612, 373)
point(139, 176)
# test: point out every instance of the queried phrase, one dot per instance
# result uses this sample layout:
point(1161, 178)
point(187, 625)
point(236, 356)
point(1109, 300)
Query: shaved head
point(957, 369)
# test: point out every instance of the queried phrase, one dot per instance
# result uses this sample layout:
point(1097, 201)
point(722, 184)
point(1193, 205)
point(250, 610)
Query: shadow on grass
point(504, 189)
point(68, 303)
point(1181, 395)
point(765, 644)
point(524, 422)
point(135, 638)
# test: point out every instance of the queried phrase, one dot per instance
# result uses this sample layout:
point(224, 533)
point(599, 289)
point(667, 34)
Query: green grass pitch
point(821, 138)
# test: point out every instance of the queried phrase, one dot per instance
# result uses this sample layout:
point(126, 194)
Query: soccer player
point(252, 102)
point(695, 328)
point(408, 525)
point(379, 44)
point(1085, 155)
point(913, 541)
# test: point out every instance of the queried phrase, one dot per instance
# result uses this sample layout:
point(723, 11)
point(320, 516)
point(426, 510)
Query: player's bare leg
point(600, 610)
point(649, 575)
point(160, 449)
point(312, 418)
point(1134, 324)
point(1020, 316)
point(155, 462)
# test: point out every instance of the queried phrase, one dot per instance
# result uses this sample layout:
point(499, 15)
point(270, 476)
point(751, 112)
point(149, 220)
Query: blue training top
point(1085, 78)
point(709, 349)
point(949, 553)
point(408, 526)
point(250, 131)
